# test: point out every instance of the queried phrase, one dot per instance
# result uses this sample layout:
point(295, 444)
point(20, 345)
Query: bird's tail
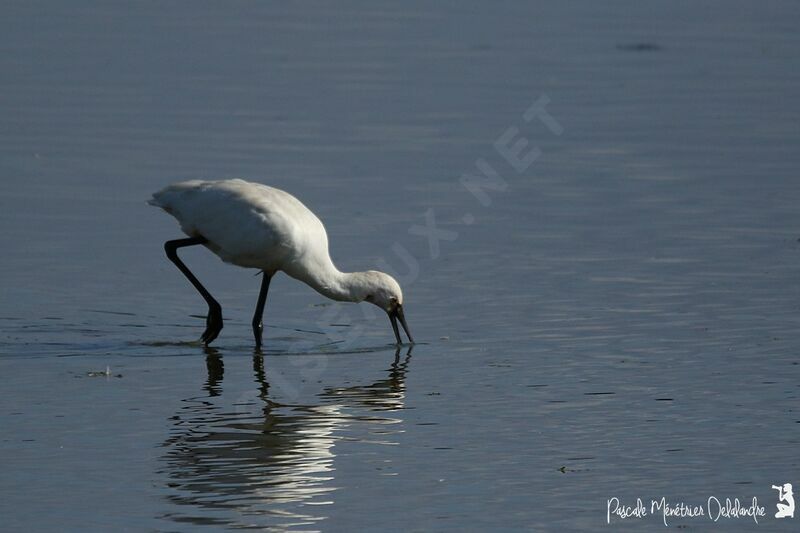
point(166, 197)
point(161, 198)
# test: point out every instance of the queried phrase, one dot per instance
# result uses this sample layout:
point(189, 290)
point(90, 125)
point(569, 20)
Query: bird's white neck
point(326, 279)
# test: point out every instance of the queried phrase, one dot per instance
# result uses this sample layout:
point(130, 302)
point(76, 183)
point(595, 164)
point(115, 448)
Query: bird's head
point(383, 290)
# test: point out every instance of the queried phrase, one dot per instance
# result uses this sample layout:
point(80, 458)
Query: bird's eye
point(368, 298)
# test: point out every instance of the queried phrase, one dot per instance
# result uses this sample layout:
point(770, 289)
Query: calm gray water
point(617, 317)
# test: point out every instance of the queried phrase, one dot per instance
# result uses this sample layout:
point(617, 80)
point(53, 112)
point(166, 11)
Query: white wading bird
point(255, 226)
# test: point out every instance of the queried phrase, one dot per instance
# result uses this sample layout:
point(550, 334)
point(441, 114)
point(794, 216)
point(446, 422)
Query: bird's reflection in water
point(254, 462)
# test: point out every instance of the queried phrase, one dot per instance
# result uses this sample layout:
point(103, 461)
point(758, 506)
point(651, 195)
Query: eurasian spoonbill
point(255, 226)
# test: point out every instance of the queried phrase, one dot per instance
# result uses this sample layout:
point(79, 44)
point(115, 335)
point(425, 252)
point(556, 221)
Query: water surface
point(617, 317)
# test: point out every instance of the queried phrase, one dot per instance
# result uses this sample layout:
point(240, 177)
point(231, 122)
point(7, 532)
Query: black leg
point(214, 318)
point(258, 326)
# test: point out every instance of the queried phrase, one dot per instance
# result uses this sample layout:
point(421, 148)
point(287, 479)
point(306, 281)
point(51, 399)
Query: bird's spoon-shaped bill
point(394, 314)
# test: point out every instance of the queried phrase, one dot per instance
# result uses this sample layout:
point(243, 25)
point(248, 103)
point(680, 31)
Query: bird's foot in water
point(213, 325)
point(258, 329)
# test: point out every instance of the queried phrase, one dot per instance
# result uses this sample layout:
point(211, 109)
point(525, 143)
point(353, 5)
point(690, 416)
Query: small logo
point(785, 495)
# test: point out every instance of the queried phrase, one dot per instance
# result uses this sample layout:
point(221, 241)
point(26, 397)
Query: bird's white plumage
point(256, 226)
point(247, 224)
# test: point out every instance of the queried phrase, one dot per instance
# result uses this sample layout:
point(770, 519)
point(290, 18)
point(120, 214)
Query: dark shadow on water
point(255, 461)
point(216, 371)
